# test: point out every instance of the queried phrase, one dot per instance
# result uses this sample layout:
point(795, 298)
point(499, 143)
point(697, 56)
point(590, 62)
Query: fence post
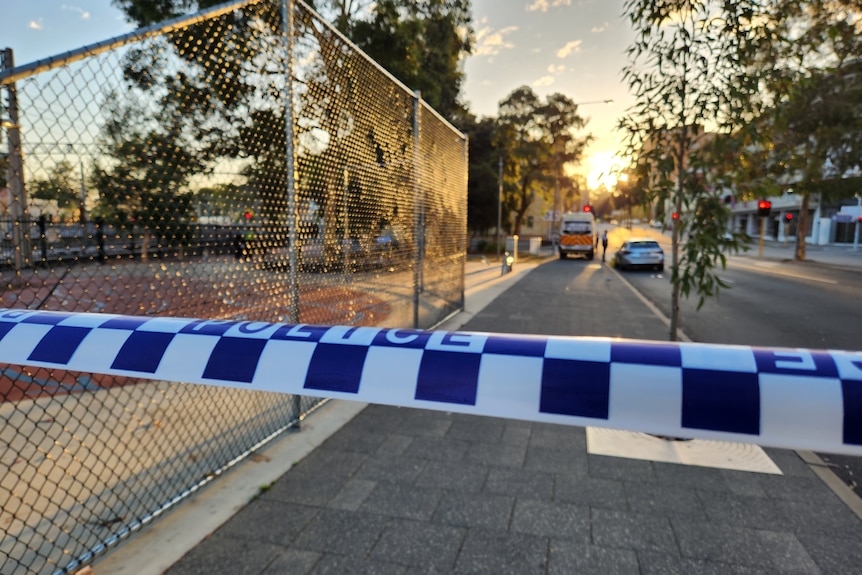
point(466, 242)
point(418, 214)
point(290, 151)
point(18, 203)
point(290, 161)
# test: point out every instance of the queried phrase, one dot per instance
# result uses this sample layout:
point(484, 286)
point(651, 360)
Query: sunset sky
point(572, 47)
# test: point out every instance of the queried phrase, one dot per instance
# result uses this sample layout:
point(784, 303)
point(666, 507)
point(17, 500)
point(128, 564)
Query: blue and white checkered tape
point(792, 398)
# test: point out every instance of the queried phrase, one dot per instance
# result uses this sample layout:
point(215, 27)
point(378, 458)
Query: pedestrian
point(100, 239)
point(239, 247)
point(597, 241)
point(604, 243)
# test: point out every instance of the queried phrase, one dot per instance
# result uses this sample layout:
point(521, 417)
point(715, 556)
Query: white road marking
point(778, 272)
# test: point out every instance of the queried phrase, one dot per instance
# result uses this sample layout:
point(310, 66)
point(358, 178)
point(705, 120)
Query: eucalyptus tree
point(422, 43)
point(810, 60)
point(536, 139)
point(688, 70)
point(58, 186)
point(482, 178)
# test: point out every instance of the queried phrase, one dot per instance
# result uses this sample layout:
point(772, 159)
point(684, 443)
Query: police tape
point(791, 398)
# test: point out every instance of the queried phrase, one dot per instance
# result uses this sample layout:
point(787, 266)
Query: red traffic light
point(788, 216)
point(764, 205)
point(675, 215)
point(588, 208)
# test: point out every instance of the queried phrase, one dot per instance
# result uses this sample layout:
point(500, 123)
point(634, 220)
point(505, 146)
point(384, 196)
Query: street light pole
point(499, 203)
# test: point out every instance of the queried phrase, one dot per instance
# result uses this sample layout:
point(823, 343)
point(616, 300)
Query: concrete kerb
point(164, 542)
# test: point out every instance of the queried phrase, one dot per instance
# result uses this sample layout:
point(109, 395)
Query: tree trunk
point(802, 228)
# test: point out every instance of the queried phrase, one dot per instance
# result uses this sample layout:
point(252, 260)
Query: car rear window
point(644, 246)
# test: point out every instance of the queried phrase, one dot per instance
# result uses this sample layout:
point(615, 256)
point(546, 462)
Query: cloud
point(490, 42)
point(554, 71)
point(543, 5)
point(36, 24)
point(573, 46)
point(84, 14)
point(599, 29)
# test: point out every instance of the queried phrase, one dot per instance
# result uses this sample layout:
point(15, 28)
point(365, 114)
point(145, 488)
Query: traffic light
point(588, 208)
point(763, 208)
point(247, 215)
point(788, 217)
point(675, 215)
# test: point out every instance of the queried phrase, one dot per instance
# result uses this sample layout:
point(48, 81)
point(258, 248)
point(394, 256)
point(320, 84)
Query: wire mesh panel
point(221, 167)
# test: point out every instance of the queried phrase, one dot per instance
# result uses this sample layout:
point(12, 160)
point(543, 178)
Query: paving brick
point(584, 559)
point(217, 555)
point(437, 448)
point(493, 512)
point(283, 520)
point(497, 454)
point(462, 477)
point(388, 468)
point(341, 565)
point(306, 488)
point(520, 483)
point(492, 552)
point(636, 531)
point(352, 495)
point(591, 491)
point(341, 532)
point(772, 550)
point(664, 500)
point(420, 544)
point(620, 469)
point(566, 461)
point(552, 519)
point(404, 501)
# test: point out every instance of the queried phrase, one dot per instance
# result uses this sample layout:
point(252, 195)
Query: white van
point(578, 234)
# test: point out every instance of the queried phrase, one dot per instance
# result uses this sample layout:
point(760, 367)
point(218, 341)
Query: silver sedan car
point(640, 252)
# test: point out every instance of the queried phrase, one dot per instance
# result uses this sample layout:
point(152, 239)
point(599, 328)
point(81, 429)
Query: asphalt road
point(770, 303)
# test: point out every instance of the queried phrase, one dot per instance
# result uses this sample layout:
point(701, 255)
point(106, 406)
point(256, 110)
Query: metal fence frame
point(65, 251)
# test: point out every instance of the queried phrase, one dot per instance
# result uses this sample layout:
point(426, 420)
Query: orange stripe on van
point(576, 240)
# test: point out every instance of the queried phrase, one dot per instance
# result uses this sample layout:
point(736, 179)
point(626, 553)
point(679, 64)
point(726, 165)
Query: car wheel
point(591, 255)
point(660, 267)
point(562, 255)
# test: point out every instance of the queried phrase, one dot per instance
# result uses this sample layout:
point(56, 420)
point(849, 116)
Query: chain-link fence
point(246, 163)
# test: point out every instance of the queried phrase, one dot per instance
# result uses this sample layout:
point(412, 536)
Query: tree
point(482, 179)
point(59, 186)
point(687, 71)
point(239, 102)
point(422, 44)
point(144, 176)
point(536, 139)
point(809, 57)
point(147, 12)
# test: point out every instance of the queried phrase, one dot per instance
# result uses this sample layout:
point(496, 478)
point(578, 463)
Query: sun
point(602, 169)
